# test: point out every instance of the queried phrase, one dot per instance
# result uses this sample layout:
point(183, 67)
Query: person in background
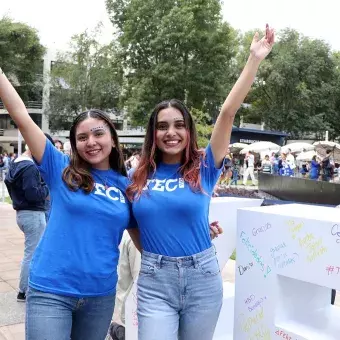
point(235, 172)
point(6, 161)
point(290, 159)
point(67, 148)
point(28, 193)
point(228, 163)
point(276, 164)
point(284, 167)
point(226, 172)
point(58, 144)
point(12, 157)
point(314, 169)
point(249, 164)
point(336, 172)
point(266, 165)
point(304, 169)
point(327, 166)
point(1, 165)
point(133, 161)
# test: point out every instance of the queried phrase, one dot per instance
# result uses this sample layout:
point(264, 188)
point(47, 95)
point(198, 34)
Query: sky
point(57, 21)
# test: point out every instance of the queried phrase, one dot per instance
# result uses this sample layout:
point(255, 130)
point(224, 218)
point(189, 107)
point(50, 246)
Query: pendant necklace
point(101, 179)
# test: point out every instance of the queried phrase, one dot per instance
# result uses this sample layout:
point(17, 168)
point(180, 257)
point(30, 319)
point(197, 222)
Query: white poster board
point(224, 210)
point(287, 262)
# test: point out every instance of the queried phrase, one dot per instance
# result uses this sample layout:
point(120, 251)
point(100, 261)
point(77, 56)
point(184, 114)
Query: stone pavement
point(12, 313)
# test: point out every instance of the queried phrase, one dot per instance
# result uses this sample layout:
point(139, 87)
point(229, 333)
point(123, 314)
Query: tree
point(333, 116)
point(295, 86)
point(21, 57)
point(88, 76)
point(204, 129)
point(173, 49)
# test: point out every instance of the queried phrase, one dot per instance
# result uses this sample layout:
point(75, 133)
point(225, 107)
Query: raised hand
point(261, 48)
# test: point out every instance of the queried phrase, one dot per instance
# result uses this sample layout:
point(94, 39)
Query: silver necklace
point(101, 179)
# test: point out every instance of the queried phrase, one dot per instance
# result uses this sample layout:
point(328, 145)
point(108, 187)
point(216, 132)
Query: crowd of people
point(241, 167)
point(163, 203)
point(5, 160)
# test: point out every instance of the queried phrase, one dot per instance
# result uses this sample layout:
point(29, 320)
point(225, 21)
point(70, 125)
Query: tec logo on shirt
point(112, 193)
point(168, 185)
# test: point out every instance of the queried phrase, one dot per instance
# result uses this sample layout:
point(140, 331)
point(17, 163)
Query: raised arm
point(32, 134)
point(220, 137)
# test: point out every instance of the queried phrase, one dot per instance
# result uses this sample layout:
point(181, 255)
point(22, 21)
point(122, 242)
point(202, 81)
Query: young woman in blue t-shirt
point(73, 273)
point(180, 287)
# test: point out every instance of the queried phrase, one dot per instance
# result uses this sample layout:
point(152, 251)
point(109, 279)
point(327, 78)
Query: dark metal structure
point(300, 190)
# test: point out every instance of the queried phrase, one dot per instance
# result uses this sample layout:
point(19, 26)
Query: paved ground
point(12, 313)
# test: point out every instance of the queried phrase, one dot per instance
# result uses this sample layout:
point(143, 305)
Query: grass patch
point(233, 255)
point(8, 200)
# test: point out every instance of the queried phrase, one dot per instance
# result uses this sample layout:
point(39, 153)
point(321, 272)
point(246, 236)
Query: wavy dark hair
point(77, 175)
point(151, 155)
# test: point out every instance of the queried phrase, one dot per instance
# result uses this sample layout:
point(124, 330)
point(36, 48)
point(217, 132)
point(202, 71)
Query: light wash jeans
point(48, 210)
point(58, 317)
point(179, 297)
point(32, 224)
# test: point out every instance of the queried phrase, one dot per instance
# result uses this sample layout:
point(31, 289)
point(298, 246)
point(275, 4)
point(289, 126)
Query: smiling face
point(171, 135)
point(94, 142)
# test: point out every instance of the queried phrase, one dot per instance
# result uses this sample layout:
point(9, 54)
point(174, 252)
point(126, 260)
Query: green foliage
point(295, 87)
point(8, 200)
point(21, 57)
point(203, 126)
point(88, 76)
point(173, 49)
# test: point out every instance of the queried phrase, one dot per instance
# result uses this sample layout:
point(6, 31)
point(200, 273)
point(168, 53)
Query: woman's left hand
point(261, 48)
point(215, 229)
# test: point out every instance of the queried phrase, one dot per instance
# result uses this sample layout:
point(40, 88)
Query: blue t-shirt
point(78, 253)
point(171, 217)
point(286, 170)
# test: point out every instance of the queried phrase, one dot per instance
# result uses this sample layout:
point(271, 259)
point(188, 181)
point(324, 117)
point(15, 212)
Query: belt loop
point(195, 261)
point(159, 260)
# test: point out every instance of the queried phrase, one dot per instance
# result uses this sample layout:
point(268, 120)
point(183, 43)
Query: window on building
point(37, 117)
point(5, 122)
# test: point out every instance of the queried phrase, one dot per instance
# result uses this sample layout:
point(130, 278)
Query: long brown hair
point(151, 155)
point(77, 175)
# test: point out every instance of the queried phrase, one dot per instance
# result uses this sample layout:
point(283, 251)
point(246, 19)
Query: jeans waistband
point(184, 261)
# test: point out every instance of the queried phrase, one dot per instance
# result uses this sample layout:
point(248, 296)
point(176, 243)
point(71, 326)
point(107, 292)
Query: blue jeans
point(32, 224)
point(179, 297)
point(57, 317)
point(48, 209)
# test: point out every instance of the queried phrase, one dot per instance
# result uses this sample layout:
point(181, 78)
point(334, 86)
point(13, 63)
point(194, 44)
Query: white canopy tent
point(298, 147)
point(259, 147)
